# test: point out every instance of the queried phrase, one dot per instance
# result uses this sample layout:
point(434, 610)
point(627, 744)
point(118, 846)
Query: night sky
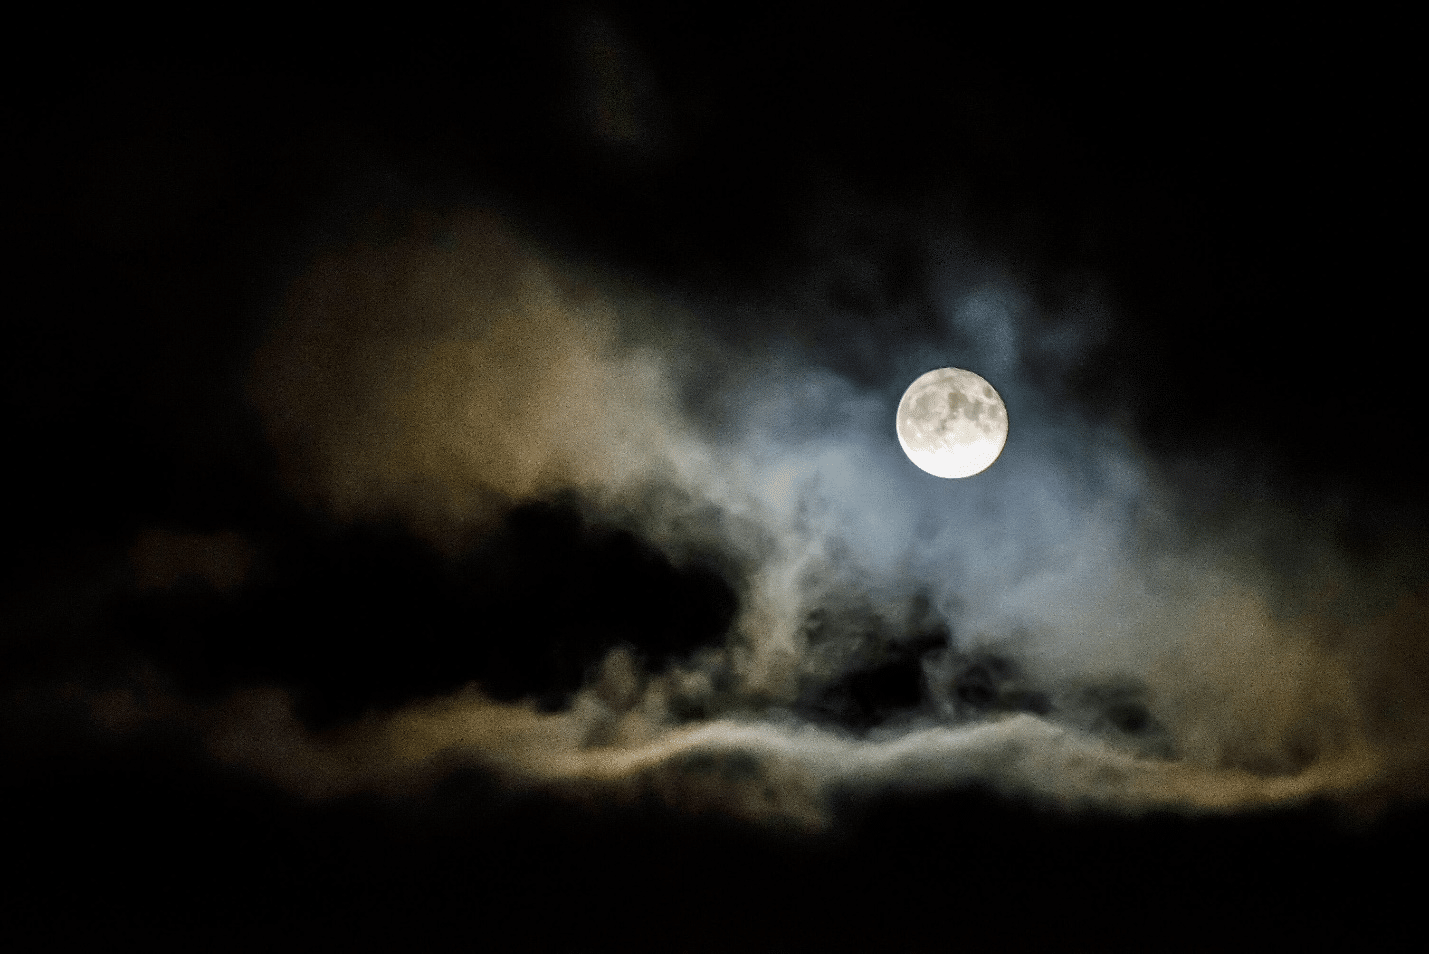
point(455, 500)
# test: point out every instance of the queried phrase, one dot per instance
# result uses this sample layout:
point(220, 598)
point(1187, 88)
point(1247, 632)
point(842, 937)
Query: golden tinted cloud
point(440, 381)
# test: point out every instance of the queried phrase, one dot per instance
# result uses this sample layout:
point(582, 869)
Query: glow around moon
point(952, 423)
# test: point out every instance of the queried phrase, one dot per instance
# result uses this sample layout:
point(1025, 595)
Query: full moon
point(952, 423)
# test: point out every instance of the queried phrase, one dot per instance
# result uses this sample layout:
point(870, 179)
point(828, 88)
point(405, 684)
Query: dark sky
point(256, 289)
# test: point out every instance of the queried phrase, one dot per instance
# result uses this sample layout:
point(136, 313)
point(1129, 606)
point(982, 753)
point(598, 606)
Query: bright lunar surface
point(952, 423)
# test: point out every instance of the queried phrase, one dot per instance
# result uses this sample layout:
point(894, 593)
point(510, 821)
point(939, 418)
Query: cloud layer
point(1055, 627)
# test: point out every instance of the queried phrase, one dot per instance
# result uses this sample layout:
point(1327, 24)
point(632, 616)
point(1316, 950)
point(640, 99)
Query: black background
point(1242, 198)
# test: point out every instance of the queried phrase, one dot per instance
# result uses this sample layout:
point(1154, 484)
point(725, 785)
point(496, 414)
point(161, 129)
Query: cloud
point(161, 558)
point(617, 102)
point(438, 382)
point(1067, 632)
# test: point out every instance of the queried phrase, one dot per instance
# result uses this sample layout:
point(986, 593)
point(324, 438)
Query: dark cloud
point(471, 485)
point(528, 497)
